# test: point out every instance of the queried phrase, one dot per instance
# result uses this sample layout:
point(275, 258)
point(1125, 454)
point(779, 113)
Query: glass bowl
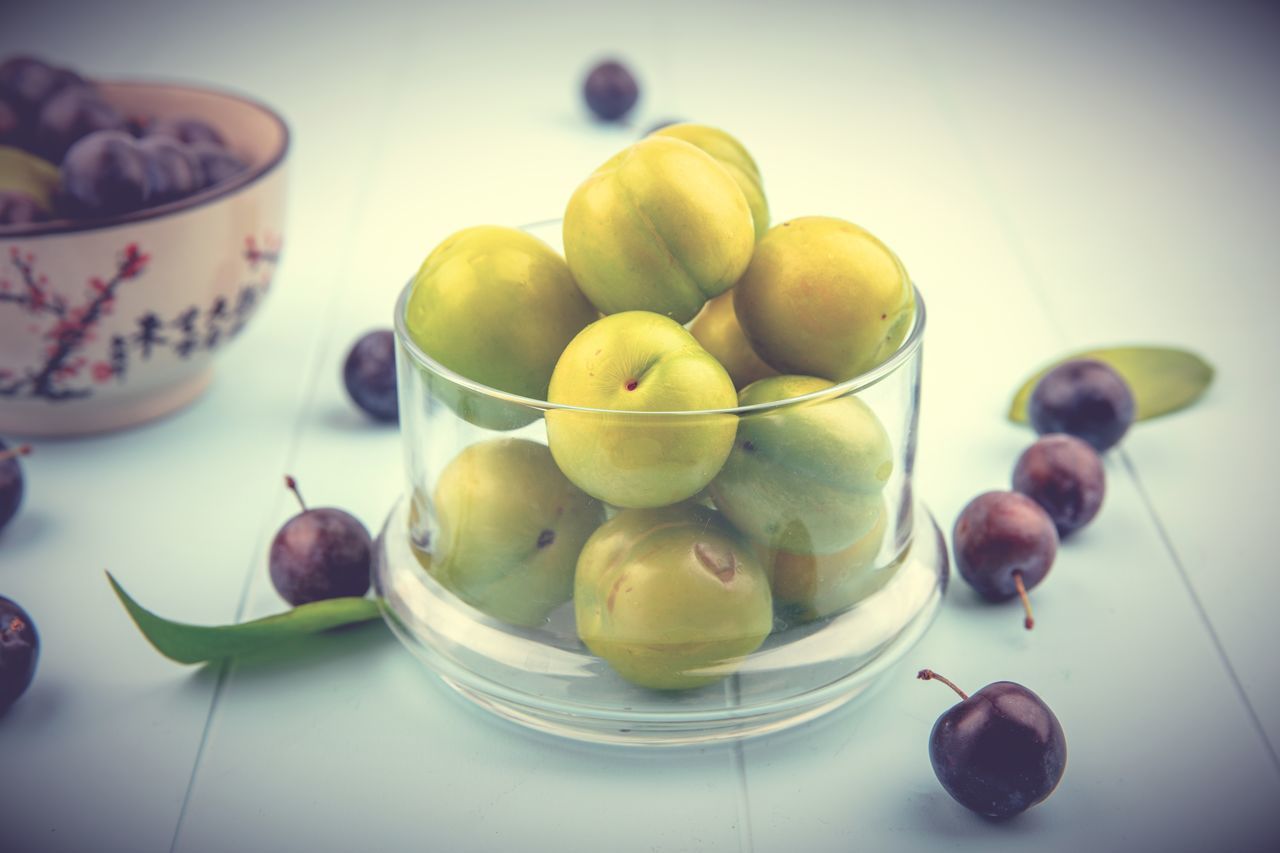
point(820, 573)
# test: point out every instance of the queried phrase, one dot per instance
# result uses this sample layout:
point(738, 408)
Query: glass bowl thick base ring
point(546, 679)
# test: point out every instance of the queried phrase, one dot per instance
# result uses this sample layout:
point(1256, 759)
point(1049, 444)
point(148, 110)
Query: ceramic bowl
point(111, 323)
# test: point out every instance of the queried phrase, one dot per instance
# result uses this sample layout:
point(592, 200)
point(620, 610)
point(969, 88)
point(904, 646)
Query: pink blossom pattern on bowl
point(109, 324)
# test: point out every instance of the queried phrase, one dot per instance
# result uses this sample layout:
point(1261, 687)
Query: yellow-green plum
point(635, 364)
point(661, 226)
point(812, 586)
point(496, 306)
point(509, 529)
point(671, 598)
point(804, 477)
point(734, 156)
point(823, 297)
point(716, 328)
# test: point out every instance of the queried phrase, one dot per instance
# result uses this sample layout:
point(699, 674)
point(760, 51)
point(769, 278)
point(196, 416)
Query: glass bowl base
point(545, 679)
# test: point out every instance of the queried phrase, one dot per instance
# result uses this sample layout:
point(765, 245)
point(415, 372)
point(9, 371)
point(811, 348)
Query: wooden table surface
point(1054, 176)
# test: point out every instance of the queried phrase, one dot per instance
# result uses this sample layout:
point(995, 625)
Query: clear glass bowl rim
point(858, 383)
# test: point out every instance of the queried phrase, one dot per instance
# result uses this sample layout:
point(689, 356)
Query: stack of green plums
point(679, 499)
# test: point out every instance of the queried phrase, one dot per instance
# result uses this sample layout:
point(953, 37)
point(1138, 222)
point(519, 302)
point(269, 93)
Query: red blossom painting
point(67, 326)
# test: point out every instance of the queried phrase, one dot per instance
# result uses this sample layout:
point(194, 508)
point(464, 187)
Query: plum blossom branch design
point(72, 329)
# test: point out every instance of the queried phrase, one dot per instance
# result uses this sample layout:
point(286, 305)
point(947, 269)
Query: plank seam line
point(1218, 647)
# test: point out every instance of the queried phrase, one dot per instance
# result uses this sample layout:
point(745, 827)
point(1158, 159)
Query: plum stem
point(15, 452)
point(930, 675)
point(292, 485)
point(1030, 621)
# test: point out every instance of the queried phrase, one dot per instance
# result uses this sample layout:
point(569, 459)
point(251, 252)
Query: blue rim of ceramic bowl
point(192, 202)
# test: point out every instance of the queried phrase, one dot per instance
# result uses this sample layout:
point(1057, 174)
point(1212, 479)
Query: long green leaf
point(199, 643)
point(1163, 379)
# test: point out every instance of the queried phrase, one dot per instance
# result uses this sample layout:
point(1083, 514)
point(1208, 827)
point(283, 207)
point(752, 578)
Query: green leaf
point(27, 173)
point(199, 643)
point(1162, 379)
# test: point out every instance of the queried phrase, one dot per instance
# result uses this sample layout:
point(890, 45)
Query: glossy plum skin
point(999, 535)
point(216, 163)
point(369, 374)
point(104, 174)
point(19, 208)
point(11, 488)
point(19, 652)
point(189, 131)
point(1084, 398)
point(610, 90)
point(999, 752)
point(1065, 476)
point(319, 554)
point(172, 170)
point(69, 116)
point(28, 82)
point(11, 126)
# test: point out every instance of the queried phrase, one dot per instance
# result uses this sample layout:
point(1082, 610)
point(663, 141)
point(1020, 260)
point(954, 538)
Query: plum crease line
point(320, 340)
point(1218, 646)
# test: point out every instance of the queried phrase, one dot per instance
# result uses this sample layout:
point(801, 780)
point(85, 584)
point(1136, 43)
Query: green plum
point(823, 297)
point(804, 477)
point(661, 226)
point(716, 328)
point(812, 586)
point(509, 530)
point(671, 598)
point(731, 154)
point(496, 306)
point(635, 364)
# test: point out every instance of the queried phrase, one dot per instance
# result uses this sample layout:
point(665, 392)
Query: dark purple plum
point(319, 554)
point(19, 208)
point(104, 174)
point(369, 374)
point(189, 131)
point(1084, 398)
point(998, 752)
point(136, 125)
point(19, 652)
point(12, 128)
point(1004, 545)
point(172, 170)
point(217, 164)
point(71, 115)
point(1065, 476)
point(610, 90)
point(12, 485)
point(28, 82)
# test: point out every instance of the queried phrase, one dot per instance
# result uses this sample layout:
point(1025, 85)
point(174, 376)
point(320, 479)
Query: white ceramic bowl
point(109, 324)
